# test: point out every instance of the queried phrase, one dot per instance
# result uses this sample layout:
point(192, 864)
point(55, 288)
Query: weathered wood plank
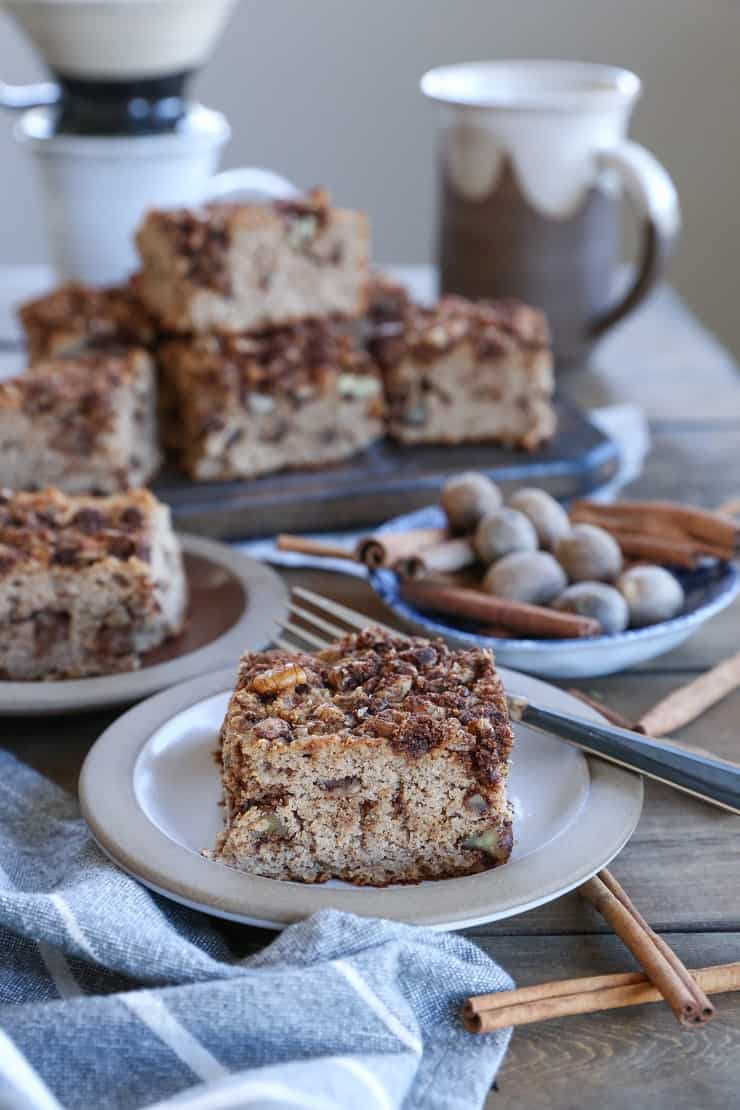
point(638, 1057)
point(697, 466)
point(713, 642)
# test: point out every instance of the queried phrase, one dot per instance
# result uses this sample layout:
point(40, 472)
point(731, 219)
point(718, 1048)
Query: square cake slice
point(85, 424)
point(75, 317)
point(86, 584)
point(242, 267)
point(469, 372)
point(381, 760)
point(241, 406)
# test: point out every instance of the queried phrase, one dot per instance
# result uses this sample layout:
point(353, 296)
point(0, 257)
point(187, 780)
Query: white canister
point(96, 190)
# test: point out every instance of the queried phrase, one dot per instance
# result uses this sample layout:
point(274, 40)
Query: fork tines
point(315, 623)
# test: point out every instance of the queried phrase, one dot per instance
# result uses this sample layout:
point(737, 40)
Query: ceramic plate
point(235, 603)
point(708, 590)
point(150, 791)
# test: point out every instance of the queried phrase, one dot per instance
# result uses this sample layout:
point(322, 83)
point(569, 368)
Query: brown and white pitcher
point(534, 157)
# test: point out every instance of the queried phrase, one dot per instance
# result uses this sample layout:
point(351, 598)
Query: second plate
point(235, 604)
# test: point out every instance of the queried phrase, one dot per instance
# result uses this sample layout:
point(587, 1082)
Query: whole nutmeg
point(467, 498)
point(502, 532)
point(596, 600)
point(550, 520)
point(531, 576)
point(589, 554)
point(652, 594)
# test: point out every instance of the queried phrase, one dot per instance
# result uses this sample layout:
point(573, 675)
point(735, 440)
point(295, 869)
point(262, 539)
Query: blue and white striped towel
point(111, 997)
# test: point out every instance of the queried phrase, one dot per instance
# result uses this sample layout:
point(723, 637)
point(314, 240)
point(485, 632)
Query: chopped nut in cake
point(241, 406)
point(382, 759)
point(85, 424)
point(87, 584)
point(467, 371)
point(388, 301)
point(76, 317)
point(241, 267)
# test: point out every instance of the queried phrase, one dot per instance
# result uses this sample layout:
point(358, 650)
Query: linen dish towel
point(112, 997)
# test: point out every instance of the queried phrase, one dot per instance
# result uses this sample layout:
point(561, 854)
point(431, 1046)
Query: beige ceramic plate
point(150, 789)
point(235, 604)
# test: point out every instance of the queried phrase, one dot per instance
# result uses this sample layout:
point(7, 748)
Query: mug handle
point(655, 198)
point(18, 98)
point(250, 183)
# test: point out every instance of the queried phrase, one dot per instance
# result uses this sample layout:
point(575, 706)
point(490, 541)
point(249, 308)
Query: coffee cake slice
point(242, 267)
point(75, 317)
point(87, 584)
point(381, 760)
point(242, 406)
point(86, 424)
point(468, 372)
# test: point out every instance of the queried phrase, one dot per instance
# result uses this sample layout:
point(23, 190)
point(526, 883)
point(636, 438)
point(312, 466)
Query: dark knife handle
point(713, 780)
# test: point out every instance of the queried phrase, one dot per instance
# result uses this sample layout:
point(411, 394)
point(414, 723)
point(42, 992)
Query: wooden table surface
point(682, 867)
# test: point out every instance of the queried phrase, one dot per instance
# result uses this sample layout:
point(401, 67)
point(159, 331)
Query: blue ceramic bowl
point(709, 589)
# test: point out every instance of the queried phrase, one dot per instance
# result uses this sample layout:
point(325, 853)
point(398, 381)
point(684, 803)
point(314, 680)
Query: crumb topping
point(415, 693)
point(102, 317)
point(388, 301)
point(296, 363)
point(79, 393)
point(492, 328)
point(54, 530)
point(201, 237)
point(315, 205)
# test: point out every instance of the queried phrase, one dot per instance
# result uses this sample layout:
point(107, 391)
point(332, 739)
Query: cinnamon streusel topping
point(294, 363)
point(79, 392)
point(493, 328)
point(102, 316)
point(411, 692)
point(49, 529)
point(201, 237)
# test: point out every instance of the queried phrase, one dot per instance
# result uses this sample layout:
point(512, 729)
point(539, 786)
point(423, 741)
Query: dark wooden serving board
point(385, 481)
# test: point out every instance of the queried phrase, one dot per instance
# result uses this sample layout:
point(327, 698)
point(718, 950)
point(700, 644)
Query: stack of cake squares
point(255, 338)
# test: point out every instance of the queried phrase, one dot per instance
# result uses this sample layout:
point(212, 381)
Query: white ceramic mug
point(97, 189)
point(534, 155)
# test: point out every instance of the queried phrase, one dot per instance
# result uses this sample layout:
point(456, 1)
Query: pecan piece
point(283, 677)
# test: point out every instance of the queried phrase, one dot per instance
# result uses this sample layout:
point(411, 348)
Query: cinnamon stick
point(556, 988)
point(305, 546)
point(582, 996)
point(443, 558)
point(690, 701)
point(611, 715)
point(529, 620)
point(498, 632)
point(705, 1007)
point(386, 549)
point(682, 1001)
point(672, 552)
point(671, 547)
point(661, 518)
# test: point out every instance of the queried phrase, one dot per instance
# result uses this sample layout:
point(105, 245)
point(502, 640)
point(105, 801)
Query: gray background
point(327, 93)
